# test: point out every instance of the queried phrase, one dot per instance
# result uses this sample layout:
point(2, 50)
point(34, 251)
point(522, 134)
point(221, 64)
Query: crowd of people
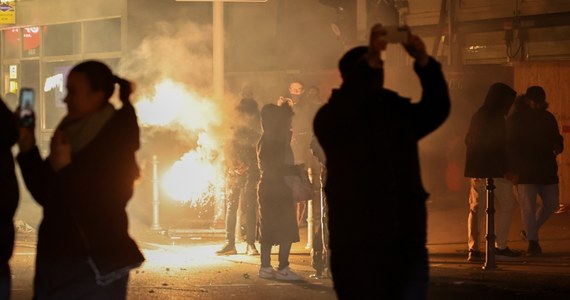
point(337, 155)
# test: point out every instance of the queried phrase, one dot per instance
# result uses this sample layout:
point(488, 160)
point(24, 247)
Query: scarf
point(81, 132)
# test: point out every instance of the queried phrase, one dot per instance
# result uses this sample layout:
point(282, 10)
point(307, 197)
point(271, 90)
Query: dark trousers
point(360, 275)
point(242, 188)
point(284, 251)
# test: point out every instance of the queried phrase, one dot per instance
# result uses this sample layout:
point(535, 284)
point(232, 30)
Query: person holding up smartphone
point(84, 248)
point(26, 107)
point(9, 197)
point(374, 191)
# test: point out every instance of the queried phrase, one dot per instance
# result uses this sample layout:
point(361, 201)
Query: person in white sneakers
point(277, 215)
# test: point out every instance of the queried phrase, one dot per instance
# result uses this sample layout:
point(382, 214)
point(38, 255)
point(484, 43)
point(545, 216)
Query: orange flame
point(198, 176)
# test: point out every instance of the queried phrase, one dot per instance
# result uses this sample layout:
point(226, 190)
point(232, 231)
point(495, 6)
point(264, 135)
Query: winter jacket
point(84, 204)
point(375, 196)
point(534, 140)
point(486, 138)
point(277, 215)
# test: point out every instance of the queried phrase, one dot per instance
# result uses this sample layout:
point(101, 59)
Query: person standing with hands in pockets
point(84, 249)
point(373, 188)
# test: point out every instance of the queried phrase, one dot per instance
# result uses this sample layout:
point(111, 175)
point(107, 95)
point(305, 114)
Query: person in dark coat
point(243, 175)
point(84, 249)
point(9, 195)
point(534, 141)
point(277, 217)
point(486, 157)
point(375, 196)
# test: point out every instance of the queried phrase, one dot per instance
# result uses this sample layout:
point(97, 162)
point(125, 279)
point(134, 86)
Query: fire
point(198, 176)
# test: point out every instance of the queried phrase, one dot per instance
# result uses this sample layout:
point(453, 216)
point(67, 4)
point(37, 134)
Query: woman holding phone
point(84, 249)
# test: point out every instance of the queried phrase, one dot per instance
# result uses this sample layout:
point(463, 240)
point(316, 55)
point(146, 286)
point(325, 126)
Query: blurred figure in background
point(302, 133)
point(486, 157)
point(320, 246)
point(534, 142)
point(84, 250)
point(9, 195)
point(244, 174)
point(374, 191)
point(277, 222)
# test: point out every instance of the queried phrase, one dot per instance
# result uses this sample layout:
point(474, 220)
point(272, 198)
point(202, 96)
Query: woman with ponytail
point(84, 249)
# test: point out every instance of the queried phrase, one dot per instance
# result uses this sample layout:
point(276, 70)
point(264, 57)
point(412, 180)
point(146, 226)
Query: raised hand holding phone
point(26, 108)
point(26, 119)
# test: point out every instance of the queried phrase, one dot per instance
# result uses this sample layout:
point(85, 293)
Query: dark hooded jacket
point(534, 141)
point(8, 182)
point(486, 138)
point(84, 203)
point(277, 217)
point(369, 135)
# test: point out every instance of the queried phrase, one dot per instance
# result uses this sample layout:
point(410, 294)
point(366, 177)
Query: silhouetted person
point(277, 221)
point(319, 248)
point(534, 141)
point(9, 195)
point(244, 175)
point(375, 196)
point(84, 249)
point(486, 157)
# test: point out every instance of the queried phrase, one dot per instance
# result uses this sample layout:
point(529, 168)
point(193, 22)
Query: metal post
point(310, 225)
point(218, 48)
point(490, 237)
point(155, 203)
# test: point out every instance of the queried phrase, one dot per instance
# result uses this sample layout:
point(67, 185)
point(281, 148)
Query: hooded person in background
point(374, 191)
point(9, 195)
point(486, 157)
point(534, 141)
point(84, 249)
point(277, 221)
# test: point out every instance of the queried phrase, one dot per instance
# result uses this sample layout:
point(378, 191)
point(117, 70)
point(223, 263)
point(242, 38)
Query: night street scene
point(284, 149)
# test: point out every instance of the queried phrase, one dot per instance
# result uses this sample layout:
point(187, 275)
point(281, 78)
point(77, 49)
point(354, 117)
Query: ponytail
point(125, 88)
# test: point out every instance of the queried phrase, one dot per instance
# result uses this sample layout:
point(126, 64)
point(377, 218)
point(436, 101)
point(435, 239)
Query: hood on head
point(500, 98)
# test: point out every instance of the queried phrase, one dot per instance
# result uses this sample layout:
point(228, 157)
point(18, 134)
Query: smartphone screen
point(26, 107)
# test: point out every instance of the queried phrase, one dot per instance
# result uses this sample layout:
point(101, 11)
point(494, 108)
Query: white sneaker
point(267, 273)
point(286, 274)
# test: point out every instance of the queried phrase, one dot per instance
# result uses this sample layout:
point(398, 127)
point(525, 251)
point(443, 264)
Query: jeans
point(533, 218)
point(504, 205)
point(245, 188)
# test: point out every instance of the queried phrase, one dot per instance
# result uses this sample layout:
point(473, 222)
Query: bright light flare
point(199, 175)
point(173, 104)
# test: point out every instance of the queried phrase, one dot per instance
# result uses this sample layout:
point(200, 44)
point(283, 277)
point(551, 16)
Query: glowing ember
point(198, 176)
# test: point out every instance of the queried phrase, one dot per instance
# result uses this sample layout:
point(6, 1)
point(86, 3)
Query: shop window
point(62, 39)
point(102, 36)
point(31, 41)
point(53, 87)
point(11, 43)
